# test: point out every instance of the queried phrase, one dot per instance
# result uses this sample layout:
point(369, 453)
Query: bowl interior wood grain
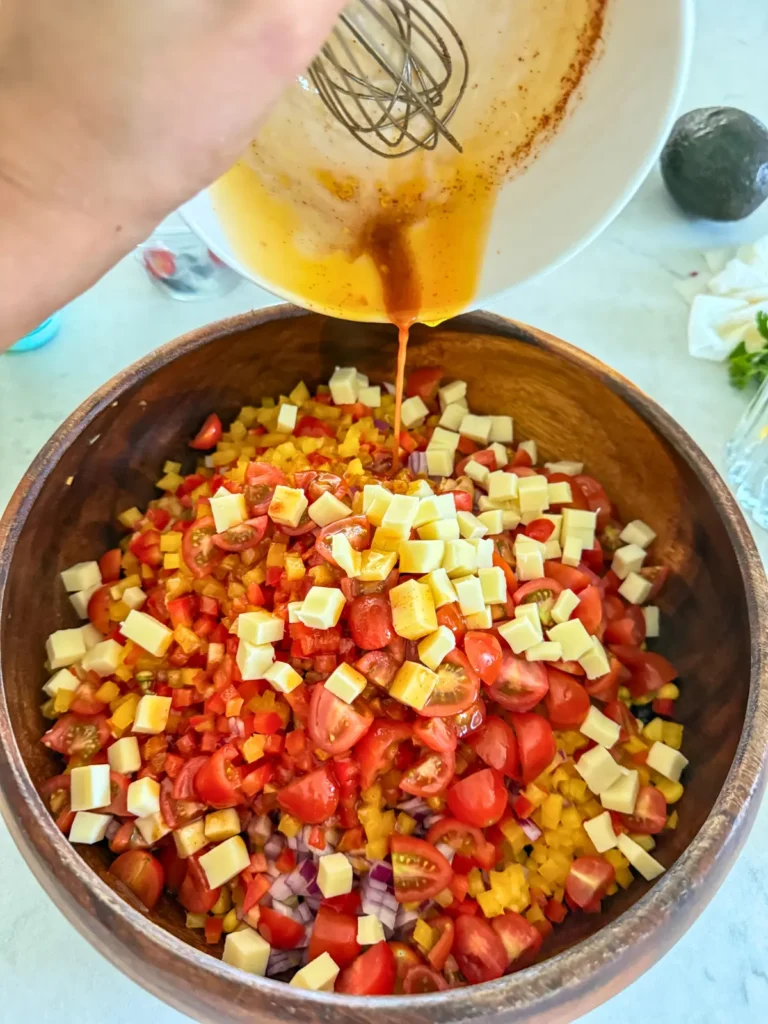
point(107, 458)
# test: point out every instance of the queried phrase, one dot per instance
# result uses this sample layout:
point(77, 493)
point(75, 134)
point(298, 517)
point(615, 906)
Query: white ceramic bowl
point(582, 178)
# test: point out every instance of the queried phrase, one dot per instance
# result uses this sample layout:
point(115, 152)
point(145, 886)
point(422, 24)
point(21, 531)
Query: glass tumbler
point(182, 266)
point(747, 458)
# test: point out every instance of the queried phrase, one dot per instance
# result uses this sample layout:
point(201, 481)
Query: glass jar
point(182, 266)
point(747, 458)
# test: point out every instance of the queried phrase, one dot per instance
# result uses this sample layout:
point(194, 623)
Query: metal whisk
point(393, 74)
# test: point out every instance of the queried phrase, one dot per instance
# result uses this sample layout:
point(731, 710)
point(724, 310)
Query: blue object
point(46, 332)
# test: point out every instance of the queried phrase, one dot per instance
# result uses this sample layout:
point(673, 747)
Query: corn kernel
point(654, 731)
point(672, 733)
point(223, 903)
point(230, 922)
point(289, 826)
point(668, 692)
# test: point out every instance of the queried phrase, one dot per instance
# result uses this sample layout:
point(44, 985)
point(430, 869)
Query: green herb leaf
point(745, 367)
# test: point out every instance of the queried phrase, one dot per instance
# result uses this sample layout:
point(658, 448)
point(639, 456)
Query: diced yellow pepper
point(535, 794)
point(172, 561)
point(489, 904)
point(300, 394)
point(475, 882)
point(672, 734)
point(570, 817)
point(514, 834)
point(444, 898)
point(672, 821)
point(671, 791)
point(170, 542)
point(187, 639)
point(294, 567)
point(171, 482)
point(322, 575)
point(377, 849)
point(654, 731)
point(107, 692)
point(616, 858)
point(424, 936)
point(62, 701)
point(624, 877)
point(406, 825)
point(634, 745)
point(551, 810)
point(130, 517)
point(535, 914)
point(668, 692)
point(123, 717)
point(276, 556)
point(123, 673)
point(253, 748)
point(289, 826)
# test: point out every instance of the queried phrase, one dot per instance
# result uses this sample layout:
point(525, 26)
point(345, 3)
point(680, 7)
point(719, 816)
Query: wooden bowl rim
point(628, 946)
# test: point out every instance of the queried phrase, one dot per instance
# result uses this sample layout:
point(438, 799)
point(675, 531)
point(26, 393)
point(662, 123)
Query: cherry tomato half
point(479, 951)
point(420, 870)
point(424, 382)
point(422, 979)
point(520, 939)
point(521, 684)
point(543, 592)
point(334, 726)
point(465, 839)
point(567, 701)
point(431, 775)
point(313, 798)
point(142, 873)
point(436, 733)
point(240, 538)
point(209, 435)
point(217, 782)
point(456, 689)
point(479, 799)
point(261, 479)
point(537, 744)
point(588, 879)
point(356, 529)
point(334, 933)
point(198, 549)
point(378, 667)
point(650, 814)
point(76, 736)
point(279, 931)
point(495, 743)
point(484, 653)
point(375, 753)
point(373, 973)
point(370, 621)
point(194, 894)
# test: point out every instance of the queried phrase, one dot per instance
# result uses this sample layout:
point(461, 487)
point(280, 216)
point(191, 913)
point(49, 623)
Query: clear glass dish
point(181, 265)
point(747, 458)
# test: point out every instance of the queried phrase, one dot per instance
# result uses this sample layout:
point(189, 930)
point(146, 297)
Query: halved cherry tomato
point(217, 781)
point(311, 426)
point(496, 744)
point(194, 893)
point(649, 670)
point(479, 799)
point(484, 653)
point(657, 576)
point(537, 744)
point(75, 736)
point(209, 435)
point(118, 791)
point(486, 458)
point(420, 870)
point(628, 630)
point(431, 775)
point(174, 867)
point(577, 495)
point(378, 667)
point(567, 576)
point(462, 501)
point(279, 931)
point(422, 979)
point(146, 547)
point(127, 837)
point(261, 479)
point(618, 711)
point(370, 621)
point(469, 721)
point(540, 530)
point(247, 535)
point(109, 565)
point(436, 733)
point(56, 794)
point(406, 958)
point(85, 701)
point(313, 798)
point(479, 951)
point(324, 483)
point(607, 687)
point(373, 973)
point(177, 812)
point(335, 934)
point(356, 529)
point(450, 615)
point(98, 609)
point(306, 525)
point(588, 880)
point(597, 499)
point(375, 753)
point(142, 873)
point(334, 726)
point(198, 549)
point(543, 592)
point(650, 814)
point(521, 684)
point(520, 939)
point(567, 701)
point(445, 931)
point(590, 610)
point(456, 689)
point(424, 382)
point(467, 840)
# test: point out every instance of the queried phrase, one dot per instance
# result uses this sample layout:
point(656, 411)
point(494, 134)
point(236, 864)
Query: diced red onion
point(304, 913)
point(296, 882)
point(416, 807)
point(113, 827)
point(308, 870)
point(373, 883)
point(417, 462)
point(281, 960)
point(447, 851)
point(280, 889)
point(531, 829)
point(313, 889)
point(381, 425)
point(405, 917)
point(293, 843)
point(432, 819)
point(274, 846)
point(381, 871)
point(260, 829)
point(389, 388)
point(236, 728)
point(314, 899)
point(272, 869)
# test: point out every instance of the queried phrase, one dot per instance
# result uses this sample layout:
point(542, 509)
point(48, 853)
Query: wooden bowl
point(105, 459)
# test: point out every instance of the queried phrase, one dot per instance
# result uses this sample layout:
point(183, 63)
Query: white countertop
point(615, 300)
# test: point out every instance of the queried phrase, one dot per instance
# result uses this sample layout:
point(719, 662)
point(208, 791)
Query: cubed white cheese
point(502, 486)
point(524, 544)
point(286, 419)
point(294, 607)
point(347, 559)
point(493, 521)
point(560, 493)
point(480, 620)
point(151, 715)
point(520, 634)
point(124, 755)
point(636, 588)
point(532, 493)
point(81, 576)
point(477, 472)
point(452, 416)
point(63, 680)
point(190, 839)
point(600, 831)
point(134, 597)
point(443, 591)
point(103, 658)
point(370, 930)
point(386, 540)
point(376, 501)
point(152, 828)
point(370, 396)
point(572, 551)
point(564, 606)
point(327, 510)
point(413, 610)
point(530, 610)
point(434, 647)
point(476, 428)
point(420, 489)
point(413, 412)
point(442, 438)
point(598, 769)
point(453, 392)
point(595, 662)
point(421, 556)
point(666, 761)
point(344, 385)
point(221, 825)
point(322, 607)
point(89, 828)
point(494, 585)
point(362, 382)
point(651, 616)
point(502, 458)
point(64, 647)
point(319, 975)
point(228, 509)
point(80, 600)
point(459, 559)
point(530, 565)
point(260, 627)
point(641, 861)
point(572, 637)
point(566, 467)
point(282, 677)
point(346, 683)
point(400, 514)
point(622, 795)
point(90, 787)
point(552, 550)
point(253, 660)
point(90, 635)
point(470, 526)
point(544, 651)
point(483, 552)
point(628, 559)
point(470, 593)
point(375, 566)
point(334, 875)
point(439, 461)
point(435, 507)
point(144, 797)
point(579, 523)
point(225, 861)
point(413, 684)
point(501, 429)
point(511, 518)
point(288, 505)
point(248, 951)
point(639, 533)
point(440, 529)
point(530, 448)
point(147, 632)
point(598, 727)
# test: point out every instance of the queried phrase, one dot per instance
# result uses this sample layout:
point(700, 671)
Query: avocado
point(715, 163)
